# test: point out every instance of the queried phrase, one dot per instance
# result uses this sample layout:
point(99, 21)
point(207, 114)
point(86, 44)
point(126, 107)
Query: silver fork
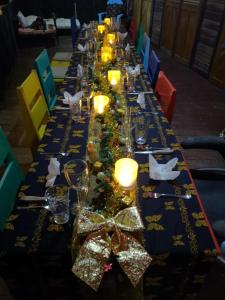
point(158, 195)
point(55, 153)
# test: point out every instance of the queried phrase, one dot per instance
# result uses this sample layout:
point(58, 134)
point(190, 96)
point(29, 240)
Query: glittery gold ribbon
point(95, 252)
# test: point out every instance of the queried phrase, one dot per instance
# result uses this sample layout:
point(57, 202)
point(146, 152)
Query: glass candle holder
point(100, 103)
point(126, 170)
point(114, 77)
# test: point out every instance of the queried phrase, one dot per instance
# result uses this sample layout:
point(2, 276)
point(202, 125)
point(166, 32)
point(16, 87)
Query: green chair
point(140, 38)
point(11, 177)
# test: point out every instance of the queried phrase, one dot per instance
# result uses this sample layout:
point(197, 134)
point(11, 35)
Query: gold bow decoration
point(96, 250)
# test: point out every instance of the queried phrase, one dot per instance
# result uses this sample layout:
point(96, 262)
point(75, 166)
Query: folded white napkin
point(82, 48)
point(53, 171)
point(86, 26)
point(141, 100)
point(162, 171)
point(134, 71)
point(121, 35)
point(127, 48)
point(80, 71)
point(69, 99)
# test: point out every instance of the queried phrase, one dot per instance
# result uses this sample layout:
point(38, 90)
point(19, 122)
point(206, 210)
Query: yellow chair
point(34, 107)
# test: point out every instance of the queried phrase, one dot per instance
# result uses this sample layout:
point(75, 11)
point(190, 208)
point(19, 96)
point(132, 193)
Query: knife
point(159, 151)
point(33, 198)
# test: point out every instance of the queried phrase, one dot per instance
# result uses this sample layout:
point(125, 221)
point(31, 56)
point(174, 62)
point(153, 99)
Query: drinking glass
point(141, 128)
point(75, 110)
point(76, 174)
point(58, 201)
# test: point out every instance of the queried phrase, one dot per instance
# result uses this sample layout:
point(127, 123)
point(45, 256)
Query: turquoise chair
point(145, 51)
point(140, 38)
point(46, 78)
point(100, 17)
point(10, 179)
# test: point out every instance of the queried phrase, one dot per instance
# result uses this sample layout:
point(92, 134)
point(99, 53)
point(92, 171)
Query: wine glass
point(76, 174)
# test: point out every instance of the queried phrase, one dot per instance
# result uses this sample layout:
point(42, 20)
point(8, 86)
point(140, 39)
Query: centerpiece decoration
point(109, 221)
point(100, 103)
point(106, 54)
point(107, 21)
point(111, 38)
point(101, 28)
point(126, 173)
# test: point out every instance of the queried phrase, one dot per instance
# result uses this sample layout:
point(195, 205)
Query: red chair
point(133, 30)
point(166, 94)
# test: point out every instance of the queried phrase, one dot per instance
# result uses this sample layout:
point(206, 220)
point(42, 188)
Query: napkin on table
point(53, 171)
point(162, 171)
point(127, 48)
point(121, 35)
point(82, 48)
point(134, 71)
point(69, 99)
point(86, 26)
point(141, 100)
point(80, 71)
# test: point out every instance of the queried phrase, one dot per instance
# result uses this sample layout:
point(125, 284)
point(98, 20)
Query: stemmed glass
point(76, 174)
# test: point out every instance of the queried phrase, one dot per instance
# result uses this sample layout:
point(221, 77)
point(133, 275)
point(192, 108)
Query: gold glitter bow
point(95, 252)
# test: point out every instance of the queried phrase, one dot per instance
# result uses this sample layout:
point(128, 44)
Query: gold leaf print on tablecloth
point(177, 240)
point(169, 132)
point(33, 166)
point(153, 223)
point(175, 146)
point(74, 148)
point(56, 140)
point(78, 133)
point(20, 241)
point(48, 132)
point(143, 168)
point(147, 189)
point(189, 188)
point(60, 126)
point(154, 140)
point(181, 166)
point(55, 227)
point(154, 281)
point(160, 259)
point(41, 148)
point(169, 205)
point(199, 279)
point(199, 219)
point(52, 119)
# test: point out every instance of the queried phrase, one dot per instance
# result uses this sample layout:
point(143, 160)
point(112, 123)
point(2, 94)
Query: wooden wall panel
point(218, 68)
point(137, 10)
point(157, 11)
point(187, 29)
point(146, 14)
point(170, 22)
point(208, 35)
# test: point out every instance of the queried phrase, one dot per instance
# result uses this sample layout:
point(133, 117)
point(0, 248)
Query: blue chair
point(145, 51)
point(46, 78)
point(118, 18)
point(10, 179)
point(153, 68)
point(100, 16)
point(74, 31)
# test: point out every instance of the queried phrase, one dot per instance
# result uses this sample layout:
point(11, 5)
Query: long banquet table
point(35, 253)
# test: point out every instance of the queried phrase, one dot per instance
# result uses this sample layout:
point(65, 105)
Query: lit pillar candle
point(111, 38)
point(107, 21)
point(100, 103)
point(101, 29)
point(106, 57)
point(126, 172)
point(114, 77)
